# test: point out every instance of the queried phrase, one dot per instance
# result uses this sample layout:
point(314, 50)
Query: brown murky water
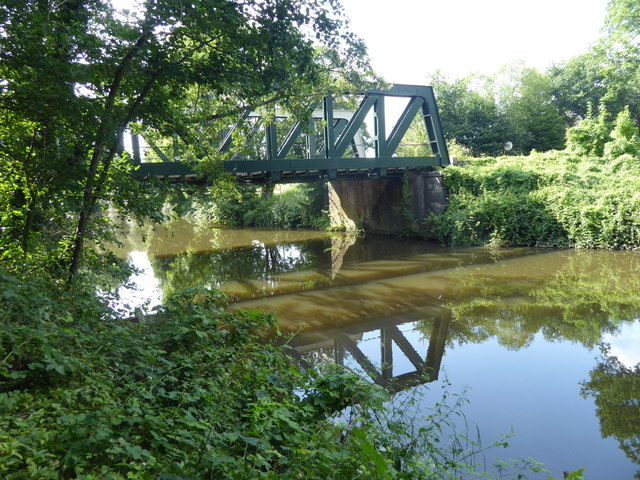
point(521, 329)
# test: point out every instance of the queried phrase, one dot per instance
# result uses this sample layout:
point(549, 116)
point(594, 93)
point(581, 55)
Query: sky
point(624, 345)
point(410, 39)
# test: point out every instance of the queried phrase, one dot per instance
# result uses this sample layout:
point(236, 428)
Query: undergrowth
point(544, 199)
point(194, 392)
point(299, 206)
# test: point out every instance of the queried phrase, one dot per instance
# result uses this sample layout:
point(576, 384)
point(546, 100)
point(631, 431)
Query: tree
point(578, 83)
point(74, 74)
point(525, 96)
point(614, 388)
point(470, 118)
point(608, 73)
point(515, 106)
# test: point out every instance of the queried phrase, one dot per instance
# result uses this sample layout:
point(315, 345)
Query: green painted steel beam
point(247, 167)
point(344, 140)
point(380, 128)
point(339, 135)
point(165, 169)
point(329, 132)
point(295, 164)
point(290, 140)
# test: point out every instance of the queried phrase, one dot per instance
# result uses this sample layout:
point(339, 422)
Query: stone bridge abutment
point(387, 205)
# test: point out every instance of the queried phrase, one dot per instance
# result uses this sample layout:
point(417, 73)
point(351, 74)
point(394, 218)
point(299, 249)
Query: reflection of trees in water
point(585, 299)
point(592, 294)
point(258, 262)
point(615, 389)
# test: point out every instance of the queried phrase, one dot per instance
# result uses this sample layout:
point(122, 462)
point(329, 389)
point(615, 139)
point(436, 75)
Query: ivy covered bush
point(586, 196)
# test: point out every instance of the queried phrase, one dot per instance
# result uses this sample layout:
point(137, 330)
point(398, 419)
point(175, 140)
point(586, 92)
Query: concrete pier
point(387, 205)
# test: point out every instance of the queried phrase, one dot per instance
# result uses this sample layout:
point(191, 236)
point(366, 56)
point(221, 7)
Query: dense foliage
point(587, 195)
point(303, 206)
point(74, 75)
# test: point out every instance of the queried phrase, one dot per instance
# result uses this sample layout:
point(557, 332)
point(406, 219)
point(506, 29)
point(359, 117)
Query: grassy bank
point(544, 199)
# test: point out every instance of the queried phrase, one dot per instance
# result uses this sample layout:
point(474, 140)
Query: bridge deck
point(294, 170)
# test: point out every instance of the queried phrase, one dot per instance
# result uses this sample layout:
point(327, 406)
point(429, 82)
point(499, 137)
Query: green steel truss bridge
point(330, 144)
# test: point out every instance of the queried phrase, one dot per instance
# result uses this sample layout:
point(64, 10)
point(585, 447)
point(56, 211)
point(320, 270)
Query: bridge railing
point(338, 149)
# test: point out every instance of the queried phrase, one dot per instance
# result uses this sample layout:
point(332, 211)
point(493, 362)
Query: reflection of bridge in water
point(382, 295)
point(343, 341)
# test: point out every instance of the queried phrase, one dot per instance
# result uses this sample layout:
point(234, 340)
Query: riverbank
point(544, 199)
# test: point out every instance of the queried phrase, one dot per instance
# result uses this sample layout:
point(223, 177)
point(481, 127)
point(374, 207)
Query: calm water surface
point(545, 343)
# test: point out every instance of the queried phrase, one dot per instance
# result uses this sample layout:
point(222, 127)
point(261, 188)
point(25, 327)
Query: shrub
point(302, 206)
point(625, 138)
point(497, 218)
point(590, 135)
point(552, 198)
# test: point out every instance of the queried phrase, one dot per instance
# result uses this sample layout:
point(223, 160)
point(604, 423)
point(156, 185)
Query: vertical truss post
point(272, 141)
point(135, 146)
point(272, 149)
point(176, 148)
point(338, 352)
point(329, 132)
point(437, 343)
point(379, 127)
point(386, 354)
point(434, 127)
point(311, 140)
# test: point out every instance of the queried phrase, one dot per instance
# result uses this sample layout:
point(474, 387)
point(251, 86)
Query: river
point(544, 343)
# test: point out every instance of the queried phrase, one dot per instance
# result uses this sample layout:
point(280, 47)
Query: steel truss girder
point(330, 161)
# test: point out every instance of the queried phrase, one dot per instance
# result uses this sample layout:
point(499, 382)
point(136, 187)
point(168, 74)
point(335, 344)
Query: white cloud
point(626, 344)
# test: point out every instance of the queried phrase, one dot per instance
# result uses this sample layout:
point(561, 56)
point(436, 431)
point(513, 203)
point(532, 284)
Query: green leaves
point(76, 74)
point(555, 198)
